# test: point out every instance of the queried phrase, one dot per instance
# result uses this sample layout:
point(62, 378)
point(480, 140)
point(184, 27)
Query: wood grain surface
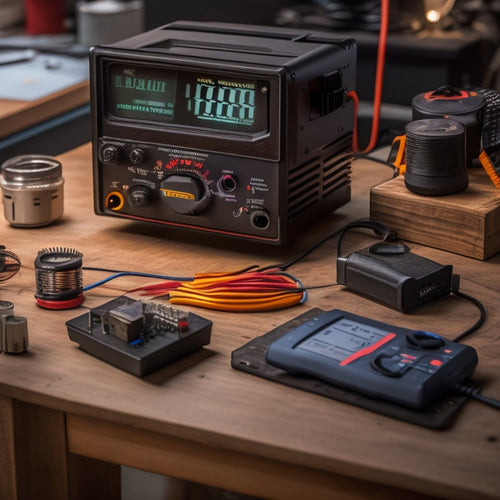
point(16, 115)
point(199, 418)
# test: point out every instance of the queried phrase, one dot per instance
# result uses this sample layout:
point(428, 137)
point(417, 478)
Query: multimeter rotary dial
point(185, 192)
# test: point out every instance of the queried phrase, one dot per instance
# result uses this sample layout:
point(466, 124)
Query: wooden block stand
point(467, 223)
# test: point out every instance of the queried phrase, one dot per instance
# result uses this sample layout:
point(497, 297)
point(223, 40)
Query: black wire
point(284, 266)
point(335, 232)
point(472, 391)
point(479, 322)
point(102, 269)
point(358, 223)
point(386, 163)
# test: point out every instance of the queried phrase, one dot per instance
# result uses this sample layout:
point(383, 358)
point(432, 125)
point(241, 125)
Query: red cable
point(379, 80)
point(352, 94)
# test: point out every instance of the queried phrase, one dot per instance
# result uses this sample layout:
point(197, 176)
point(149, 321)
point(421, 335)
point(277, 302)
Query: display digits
point(187, 98)
point(222, 103)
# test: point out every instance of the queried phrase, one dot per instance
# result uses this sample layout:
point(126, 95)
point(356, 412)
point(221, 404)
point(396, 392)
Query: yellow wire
point(236, 305)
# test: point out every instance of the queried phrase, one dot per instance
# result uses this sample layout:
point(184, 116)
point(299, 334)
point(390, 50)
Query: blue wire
point(305, 295)
point(131, 273)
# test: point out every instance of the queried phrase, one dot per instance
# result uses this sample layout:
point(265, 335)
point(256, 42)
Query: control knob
point(109, 153)
point(136, 156)
point(140, 196)
point(185, 192)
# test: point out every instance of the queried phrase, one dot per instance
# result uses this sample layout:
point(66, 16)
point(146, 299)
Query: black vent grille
point(310, 183)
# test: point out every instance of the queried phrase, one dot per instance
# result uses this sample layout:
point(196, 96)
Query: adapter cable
point(474, 301)
point(473, 391)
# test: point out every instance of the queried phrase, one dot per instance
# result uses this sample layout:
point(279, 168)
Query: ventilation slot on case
point(312, 182)
point(304, 187)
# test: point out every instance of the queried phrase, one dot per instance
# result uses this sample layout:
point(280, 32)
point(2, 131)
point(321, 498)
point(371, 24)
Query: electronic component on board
point(237, 130)
point(408, 367)
point(139, 337)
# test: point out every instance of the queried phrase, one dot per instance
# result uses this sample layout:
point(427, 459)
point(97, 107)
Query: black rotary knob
point(140, 196)
point(136, 156)
point(109, 153)
point(185, 193)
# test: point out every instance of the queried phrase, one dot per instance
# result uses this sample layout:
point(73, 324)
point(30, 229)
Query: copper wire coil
point(58, 274)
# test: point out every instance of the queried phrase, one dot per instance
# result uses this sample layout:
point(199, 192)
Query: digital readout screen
point(143, 95)
point(187, 98)
point(342, 339)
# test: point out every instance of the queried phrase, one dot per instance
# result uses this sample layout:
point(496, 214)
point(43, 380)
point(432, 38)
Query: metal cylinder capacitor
point(33, 190)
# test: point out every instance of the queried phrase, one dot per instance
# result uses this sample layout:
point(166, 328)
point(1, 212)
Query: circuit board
point(139, 336)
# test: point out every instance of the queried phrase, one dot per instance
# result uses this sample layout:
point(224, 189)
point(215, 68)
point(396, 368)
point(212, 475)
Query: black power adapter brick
point(392, 274)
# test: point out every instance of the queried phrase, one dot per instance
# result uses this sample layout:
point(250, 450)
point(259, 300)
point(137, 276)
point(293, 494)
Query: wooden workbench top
point(17, 115)
point(202, 399)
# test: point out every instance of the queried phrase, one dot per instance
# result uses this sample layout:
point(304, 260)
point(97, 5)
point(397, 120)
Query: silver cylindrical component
point(14, 334)
point(33, 190)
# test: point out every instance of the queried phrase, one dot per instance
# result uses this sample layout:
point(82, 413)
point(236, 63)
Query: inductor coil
point(435, 157)
point(59, 281)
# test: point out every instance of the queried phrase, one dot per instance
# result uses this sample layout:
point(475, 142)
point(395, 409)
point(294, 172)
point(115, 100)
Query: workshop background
point(461, 49)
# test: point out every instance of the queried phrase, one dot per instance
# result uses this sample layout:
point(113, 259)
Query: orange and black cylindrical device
point(464, 106)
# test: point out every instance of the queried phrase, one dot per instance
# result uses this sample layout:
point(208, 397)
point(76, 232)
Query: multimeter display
point(342, 339)
point(411, 368)
point(187, 98)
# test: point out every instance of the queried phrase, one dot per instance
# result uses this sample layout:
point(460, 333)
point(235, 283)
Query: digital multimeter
point(231, 129)
point(411, 368)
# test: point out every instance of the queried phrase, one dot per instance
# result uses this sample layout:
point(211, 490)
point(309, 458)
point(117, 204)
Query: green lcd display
point(143, 95)
point(187, 98)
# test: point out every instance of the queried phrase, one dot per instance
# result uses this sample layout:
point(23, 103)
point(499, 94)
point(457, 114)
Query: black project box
point(139, 337)
point(236, 130)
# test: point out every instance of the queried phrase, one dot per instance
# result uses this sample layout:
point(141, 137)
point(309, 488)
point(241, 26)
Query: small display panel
point(142, 95)
point(162, 95)
point(342, 339)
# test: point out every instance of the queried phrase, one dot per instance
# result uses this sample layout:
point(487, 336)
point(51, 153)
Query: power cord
point(479, 322)
point(472, 390)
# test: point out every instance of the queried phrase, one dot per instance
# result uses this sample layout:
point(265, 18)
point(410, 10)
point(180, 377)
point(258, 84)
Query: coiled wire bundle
point(59, 279)
point(435, 157)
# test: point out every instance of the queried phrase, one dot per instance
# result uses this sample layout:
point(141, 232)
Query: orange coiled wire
point(241, 291)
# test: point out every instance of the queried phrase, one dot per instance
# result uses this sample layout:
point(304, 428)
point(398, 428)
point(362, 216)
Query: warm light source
point(437, 9)
point(433, 16)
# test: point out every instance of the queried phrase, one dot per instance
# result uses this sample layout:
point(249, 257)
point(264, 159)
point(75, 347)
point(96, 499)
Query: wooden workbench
point(67, 419)
point(17, 115)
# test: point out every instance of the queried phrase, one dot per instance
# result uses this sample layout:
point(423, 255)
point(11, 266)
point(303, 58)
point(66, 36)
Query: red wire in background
point(379, 81)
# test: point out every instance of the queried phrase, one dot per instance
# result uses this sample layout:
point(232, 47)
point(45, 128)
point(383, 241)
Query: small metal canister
point(13, 330)
point(14, 336)
point(33, 190)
